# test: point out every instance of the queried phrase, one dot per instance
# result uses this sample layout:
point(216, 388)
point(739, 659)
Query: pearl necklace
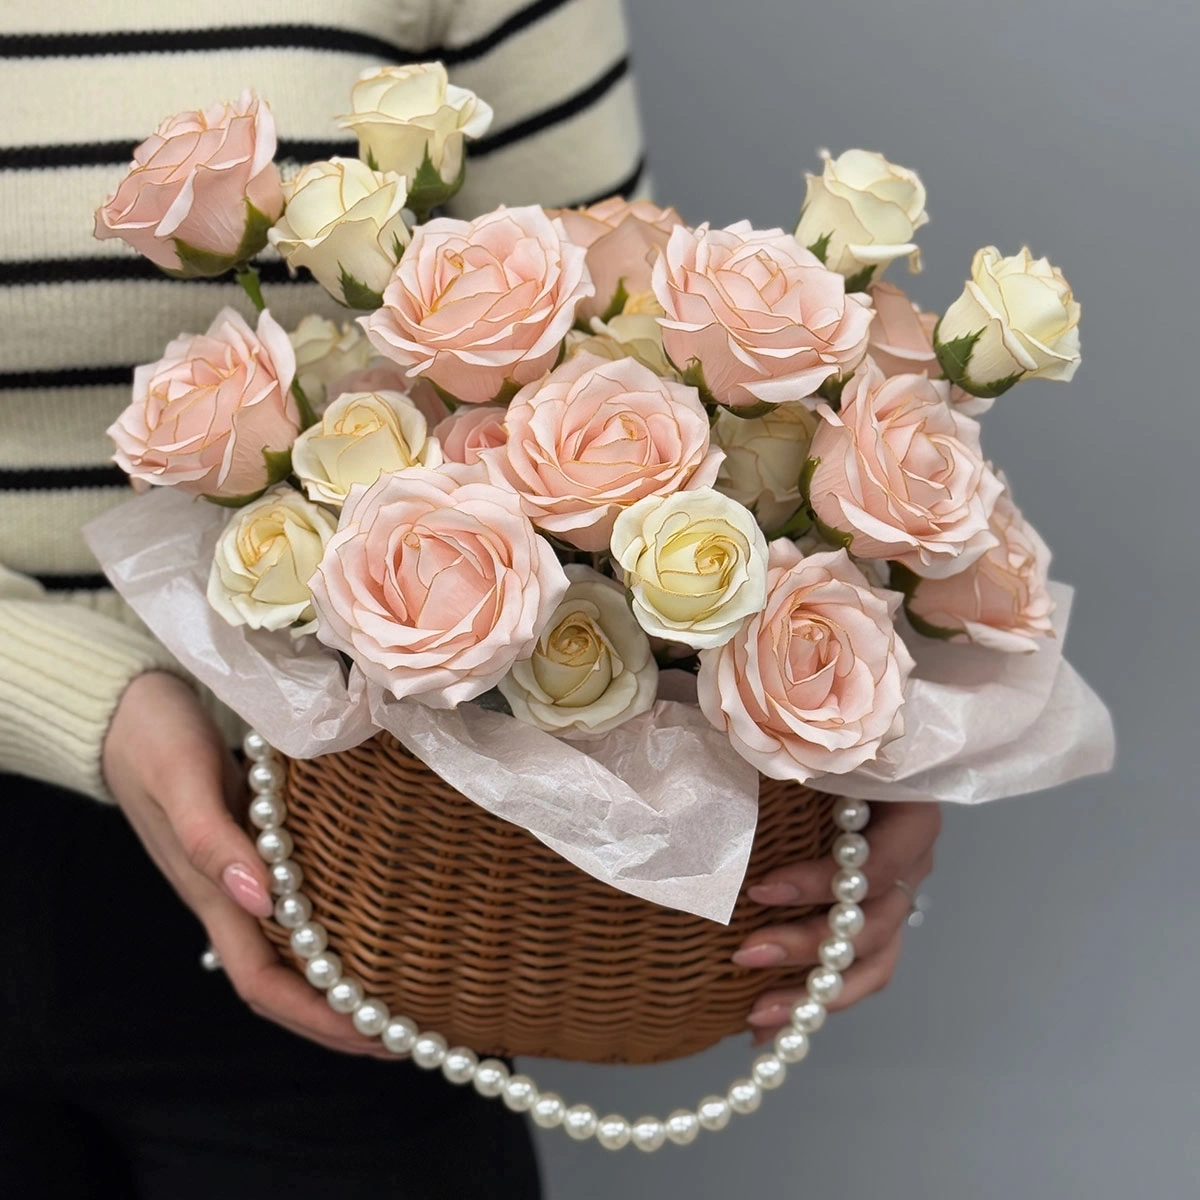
point(492, 1078)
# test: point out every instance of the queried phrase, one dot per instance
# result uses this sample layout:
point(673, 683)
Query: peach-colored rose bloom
point(1001, 601)
point(204, 415)
point(766, 320)
point(380, 375)
point(814, 683)
point(901, 339)
point(901, 473)
point(435, 587)
point(478, 305)
point(191, 182)
point(622, 238)
point(465, 434)
point(593, 438)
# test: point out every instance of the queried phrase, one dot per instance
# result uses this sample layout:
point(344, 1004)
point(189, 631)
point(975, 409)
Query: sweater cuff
point(63, 670)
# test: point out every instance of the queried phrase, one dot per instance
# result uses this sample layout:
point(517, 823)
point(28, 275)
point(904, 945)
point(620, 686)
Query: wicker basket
point(469, 925)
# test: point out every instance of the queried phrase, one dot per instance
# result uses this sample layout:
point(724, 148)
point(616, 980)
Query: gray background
point(1040, 1037)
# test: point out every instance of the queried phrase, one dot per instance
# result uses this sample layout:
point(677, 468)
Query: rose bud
point(326, 353)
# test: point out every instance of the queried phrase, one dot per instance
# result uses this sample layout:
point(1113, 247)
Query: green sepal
point(831, 391)
point(308, 414)
point(234, 501)
point(356, 294)
point(954, 358)
point(427, 189)
point(397, 247)
point(249, 281)
point(821, 246)
point(905, 581)
point(806, 473)
point(795, 527)
point(371, 160)
point(860, 280)
point(835, 537)
point(693, 376)
point(279, 467)
point(616, 305)
point(204, 264)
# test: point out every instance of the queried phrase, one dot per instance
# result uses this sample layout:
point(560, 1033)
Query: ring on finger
point(918, 904)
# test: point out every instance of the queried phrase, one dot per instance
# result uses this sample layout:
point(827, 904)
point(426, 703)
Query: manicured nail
point(763, 954)
point(245, 890)
point(773, 893)
point(777, 1014)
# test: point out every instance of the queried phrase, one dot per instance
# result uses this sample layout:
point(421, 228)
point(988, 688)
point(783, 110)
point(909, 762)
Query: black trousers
point(127, 1071)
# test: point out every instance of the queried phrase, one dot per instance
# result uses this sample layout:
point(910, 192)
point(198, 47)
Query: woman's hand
point(177, 783)
point(901, 838)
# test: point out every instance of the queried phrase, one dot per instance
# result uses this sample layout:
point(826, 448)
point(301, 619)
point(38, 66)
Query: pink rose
point(901, 474)
point(1001, 601)
point(593, 438)
point(478, 306)
point(465, 434)
point(622, 238)
point(205, 417)
point(766, 322)
point(435, 587)
point(379, 375)
point(203, 182)
point(814, 683)
point(901, 339)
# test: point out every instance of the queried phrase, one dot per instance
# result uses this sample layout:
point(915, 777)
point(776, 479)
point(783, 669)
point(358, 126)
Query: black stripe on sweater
point(38, 479)
point(122, 269)
point(118, 154)
point(66, 377)
point(74, 583)
point(625, 188)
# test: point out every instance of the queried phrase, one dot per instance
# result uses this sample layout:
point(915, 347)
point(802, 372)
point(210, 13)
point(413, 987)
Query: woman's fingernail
point(773, 893)
point(245, 890)
point(763, 954)
point(777, 1014)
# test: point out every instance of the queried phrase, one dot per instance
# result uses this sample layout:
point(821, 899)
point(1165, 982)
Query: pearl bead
point(768, 1071)
point(293, 910)
point(400, 1034)
point(851, 850)
point(520, 1093)
point(548, 1110)
point(309, 939)
point(683, 1126)
point(849, 885)
point(324, 970)
point(791, 1045)
point(256, 746)
point(808, 1015)
point(836, 952)
point(490, 1077)
point(459, 1064)
point(613, 1132)
point(210, 960)
point(429, 1051)
point(824, 984)
point(851, 815)
point(274, 845)
point(267, 811)
point(371, 1017)
point(713, 1113)
point(286, 877)
point(744, 1096)
point(345, 996)
point(266, 776)
point(649, 1133)
point(846, 920)
point(580, 1122)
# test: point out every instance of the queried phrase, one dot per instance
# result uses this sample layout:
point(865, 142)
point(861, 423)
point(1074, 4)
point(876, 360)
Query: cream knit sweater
point(86, 81)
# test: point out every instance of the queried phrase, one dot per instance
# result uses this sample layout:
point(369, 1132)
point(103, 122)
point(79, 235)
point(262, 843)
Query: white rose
point(345, 223)
point(633, 335)
point(325, 352)
point(695, 564)
point(764, 457)
point(1016, 319)
point(359, 437)
point(592, 668)
point(861, 213)
point(264, 559)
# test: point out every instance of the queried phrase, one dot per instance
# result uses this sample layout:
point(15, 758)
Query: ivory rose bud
point(861, 213)
point(900, 474)
point(594, 437)
point(695, 564)
point(764, 458)
point(635, 332)
point(479, 306)
point(814, 683)
point(381, 375)
point(622, 237)
point(201, 191)
point(591, 669)
point(435, 587)
point(345, 223)
point(360, 436)
point(1002, 600)
point(758, 315)
point(464, 435)
point(1016, 319)
point(326, 353)
point(215, 415)
point(264, 559)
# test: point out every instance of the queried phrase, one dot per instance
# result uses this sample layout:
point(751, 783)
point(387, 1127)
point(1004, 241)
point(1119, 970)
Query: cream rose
point(381, 375)
point(591, 669)
point(480, 306)
point(814, 683)
point(264, 559)
point(861, 213)
point(464, 435)
point(1002, 600)
point(435, 587)
point(325, 353)
point(594, 437)
point(360, 436)
point(215, 415)
point(695, 564)
point(900, 474)
point(345, 224)
point(635, 332)
point(201, 191)
point(756, 314)
point(1016, 319)
point(764, 458)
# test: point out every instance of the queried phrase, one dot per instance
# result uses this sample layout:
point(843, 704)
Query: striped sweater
point(91, 80)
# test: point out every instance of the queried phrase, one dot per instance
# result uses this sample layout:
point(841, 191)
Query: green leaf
point(821, 246)
point(954, 357)
point(204, 264)
point(427, 189)
point(860, 279)
point(356, 294)
point(617, 304)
